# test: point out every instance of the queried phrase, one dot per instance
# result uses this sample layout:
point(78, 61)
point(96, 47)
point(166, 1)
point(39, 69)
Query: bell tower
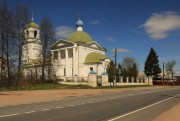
point(32, 47)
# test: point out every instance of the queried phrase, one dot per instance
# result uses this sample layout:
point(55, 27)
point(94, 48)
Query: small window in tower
point(91, 68)
point(35, 34)
point(27, 33)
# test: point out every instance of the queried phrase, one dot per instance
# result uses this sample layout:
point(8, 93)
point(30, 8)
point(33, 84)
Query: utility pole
point(163, 73)
point(115, 56)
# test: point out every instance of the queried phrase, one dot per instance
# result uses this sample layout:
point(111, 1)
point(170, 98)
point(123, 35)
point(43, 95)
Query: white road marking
point(30, 112)
point(71, 105)
point(81, 103)
point(9, 115)
point(45, 109)
point(59, 107)
point(143, 108)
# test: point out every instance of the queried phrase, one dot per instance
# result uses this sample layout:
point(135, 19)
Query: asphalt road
point(139, 105)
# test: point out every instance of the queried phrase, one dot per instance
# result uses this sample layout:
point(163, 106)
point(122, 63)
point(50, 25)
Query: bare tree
point(47, 38)
point(6, 25)
point(21, 18)
point(170, 68)
point(129, 67)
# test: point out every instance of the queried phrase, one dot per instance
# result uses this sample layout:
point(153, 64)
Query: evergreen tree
point(111, 70)
point(151, 67)
point(135, 71)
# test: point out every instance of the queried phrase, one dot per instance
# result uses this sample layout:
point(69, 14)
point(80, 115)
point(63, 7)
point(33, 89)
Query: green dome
point(94, 58)
point(80, 36)
point(32, 24)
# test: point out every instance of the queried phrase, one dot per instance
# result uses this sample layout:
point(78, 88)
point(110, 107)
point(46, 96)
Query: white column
point(127, 79)
point(74, 62)
point(66, 55)
point(121, 79)
point(132, 79)
point(137, 80)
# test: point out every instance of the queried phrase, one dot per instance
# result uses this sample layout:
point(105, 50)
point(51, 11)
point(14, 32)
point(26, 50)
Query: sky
point(133, 26)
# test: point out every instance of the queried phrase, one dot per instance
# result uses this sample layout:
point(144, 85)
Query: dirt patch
point(170, 115)
point(25, 97)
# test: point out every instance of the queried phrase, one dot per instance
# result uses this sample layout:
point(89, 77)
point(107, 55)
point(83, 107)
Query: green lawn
point(51, 86)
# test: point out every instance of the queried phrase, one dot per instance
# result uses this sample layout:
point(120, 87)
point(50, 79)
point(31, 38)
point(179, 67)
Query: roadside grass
point(52, 86)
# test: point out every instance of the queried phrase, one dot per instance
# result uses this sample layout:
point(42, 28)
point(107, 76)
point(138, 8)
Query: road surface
point(139, 105)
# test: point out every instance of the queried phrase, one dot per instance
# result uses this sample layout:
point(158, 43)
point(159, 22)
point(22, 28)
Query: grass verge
point(51, 86)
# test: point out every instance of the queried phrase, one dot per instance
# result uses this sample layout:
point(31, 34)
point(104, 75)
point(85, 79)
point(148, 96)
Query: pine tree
point(151, 67)
point(111, 71)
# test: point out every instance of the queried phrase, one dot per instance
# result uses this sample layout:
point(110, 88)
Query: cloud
point(109, 38)
point(159, 24)
point(63, 32)
point(120, 50)
point(95, 22)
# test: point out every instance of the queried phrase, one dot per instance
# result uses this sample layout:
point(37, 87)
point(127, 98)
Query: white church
point(78, 56)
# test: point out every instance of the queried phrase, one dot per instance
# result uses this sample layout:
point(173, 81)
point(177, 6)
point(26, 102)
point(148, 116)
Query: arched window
point(35, 34)
point(27, 32)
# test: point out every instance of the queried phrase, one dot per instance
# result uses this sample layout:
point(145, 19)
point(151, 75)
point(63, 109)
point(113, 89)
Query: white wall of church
point(31, 51)
point(75, 65)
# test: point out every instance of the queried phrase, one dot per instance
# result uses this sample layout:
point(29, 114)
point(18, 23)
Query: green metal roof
point(94, 58)
point(80, 36)
point(32, 24)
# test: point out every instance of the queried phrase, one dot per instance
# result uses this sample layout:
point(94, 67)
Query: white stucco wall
point(75, 65)
point(31, 51)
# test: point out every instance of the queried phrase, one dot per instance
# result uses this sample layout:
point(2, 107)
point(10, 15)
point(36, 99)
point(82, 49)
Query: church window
point(27, 33)
point(70, 53)
point(91, 68)
point(62, 54)
point(35, 34)
point(56, 55)
point(64, 72)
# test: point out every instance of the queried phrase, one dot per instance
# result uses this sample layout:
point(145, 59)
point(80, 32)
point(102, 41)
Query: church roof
point(61, 44)
point(32, 24)
point(80, 36)
point(94, 58)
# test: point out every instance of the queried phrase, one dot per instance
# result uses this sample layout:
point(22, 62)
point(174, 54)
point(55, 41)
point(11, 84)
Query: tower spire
point(79, 24)
point(79, 16)
point(32, 19)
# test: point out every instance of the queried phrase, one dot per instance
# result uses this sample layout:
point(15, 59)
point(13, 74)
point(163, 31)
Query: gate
point(99, 80)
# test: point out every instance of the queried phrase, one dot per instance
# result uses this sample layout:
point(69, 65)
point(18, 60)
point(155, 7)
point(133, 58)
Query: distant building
point(78, 56)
